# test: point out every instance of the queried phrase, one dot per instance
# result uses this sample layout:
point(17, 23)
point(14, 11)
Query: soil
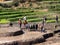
point(55, 40)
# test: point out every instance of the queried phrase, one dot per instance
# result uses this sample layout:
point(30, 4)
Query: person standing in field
point(20, 22)
point(25, 22)
point(42, 28)
point(45, 18)
point(43, 22)
point(24, 18)
point(56, 18)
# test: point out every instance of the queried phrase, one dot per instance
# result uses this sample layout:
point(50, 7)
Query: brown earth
point(55, 40)
point(29, 36)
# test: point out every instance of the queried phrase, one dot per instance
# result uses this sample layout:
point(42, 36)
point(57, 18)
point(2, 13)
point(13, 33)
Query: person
point(55, 26)
point(36, 26)
point(56, 18)
point(31, 26)
point(27, 26)
point(20, 22)
point(24, 18)
point(43, 22)
point(11, 24)
point(25, 22)
point(42, 29)
point(45, 18)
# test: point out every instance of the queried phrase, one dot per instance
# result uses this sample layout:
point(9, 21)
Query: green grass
point(3, 21)
point(51, 21)
point(32, 16)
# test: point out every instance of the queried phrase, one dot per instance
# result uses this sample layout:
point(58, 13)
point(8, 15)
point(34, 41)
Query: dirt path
point(47, 26)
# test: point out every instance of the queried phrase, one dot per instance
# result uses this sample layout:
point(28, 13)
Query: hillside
point(34, 11)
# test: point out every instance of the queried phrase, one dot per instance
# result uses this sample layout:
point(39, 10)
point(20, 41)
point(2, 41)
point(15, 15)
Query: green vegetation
point(50, 21)
point(3, 21)
point(32, 14)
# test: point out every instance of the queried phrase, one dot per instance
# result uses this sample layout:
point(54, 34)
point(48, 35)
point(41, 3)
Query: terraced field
point(33, 15)
point(15, 36)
